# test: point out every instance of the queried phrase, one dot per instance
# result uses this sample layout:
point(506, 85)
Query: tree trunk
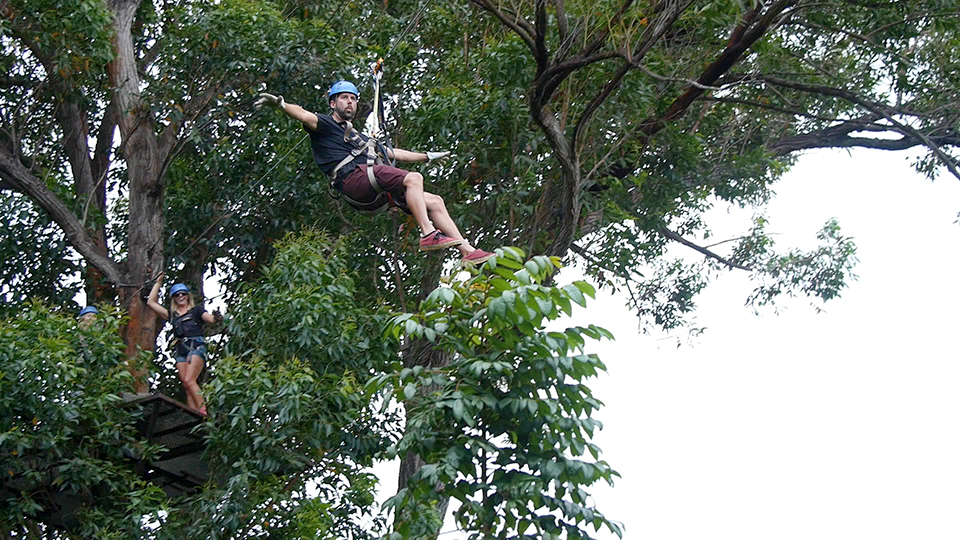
point(558, 211)
point(89, 187)
point(423, 353)
point(145, 176)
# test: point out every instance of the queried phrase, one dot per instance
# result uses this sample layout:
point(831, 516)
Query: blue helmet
point(340, 87)
point(178, 287)
point(88, 309)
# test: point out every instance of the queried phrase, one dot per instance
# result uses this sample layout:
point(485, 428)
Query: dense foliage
point(64, 433)
point(292, 434)
point(505, 427)
point(296, 423)
point(599, 134)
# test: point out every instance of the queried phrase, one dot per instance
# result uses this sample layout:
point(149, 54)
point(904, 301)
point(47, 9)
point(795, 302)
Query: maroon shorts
point(357, 186)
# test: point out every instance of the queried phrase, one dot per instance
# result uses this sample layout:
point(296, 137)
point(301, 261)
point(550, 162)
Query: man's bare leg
point(437, 211)
point(413, 184)
point(430, 212)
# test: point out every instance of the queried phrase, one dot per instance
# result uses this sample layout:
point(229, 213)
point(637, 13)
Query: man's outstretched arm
point(406, 155)
point(296, 112)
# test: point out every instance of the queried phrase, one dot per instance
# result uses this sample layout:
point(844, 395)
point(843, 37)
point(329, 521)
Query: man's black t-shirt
point(329, 148)
point(190, 324)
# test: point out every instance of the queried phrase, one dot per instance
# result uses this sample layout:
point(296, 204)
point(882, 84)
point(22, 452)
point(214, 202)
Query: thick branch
point(76, 144)
point(101, 154)
point(554, 77)
point(730, 56)
point(827, 139)
point(518, 25)
point(838, 136)
point(670, 235)
point(745, 23)
point(21, 179)
point(882, 109)
point(563, 26)
point(540, 54)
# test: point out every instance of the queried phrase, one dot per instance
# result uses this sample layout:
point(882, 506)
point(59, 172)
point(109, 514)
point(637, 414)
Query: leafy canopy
point(505, 426)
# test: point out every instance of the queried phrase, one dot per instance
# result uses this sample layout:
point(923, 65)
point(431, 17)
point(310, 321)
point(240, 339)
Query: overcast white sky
point(837, 425)
point(833, 425)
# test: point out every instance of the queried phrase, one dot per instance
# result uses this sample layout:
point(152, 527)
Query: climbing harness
point(378, 121)
point(368, 148)
point(374, 148)
point(182, 347)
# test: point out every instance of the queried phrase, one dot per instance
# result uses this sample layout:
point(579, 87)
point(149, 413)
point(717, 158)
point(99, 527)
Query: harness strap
point(380, 204)
point(368, 147)
point(353, 155)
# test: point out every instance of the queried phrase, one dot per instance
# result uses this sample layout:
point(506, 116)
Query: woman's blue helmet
point(178, 287)
point(88, 309)
point(340, 87)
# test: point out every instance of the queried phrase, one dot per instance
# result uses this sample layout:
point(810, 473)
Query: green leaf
point(447, 296)
point(504, 273)
point(500, 284)
point(411, 327)
point(586, 288)
point(575, 295)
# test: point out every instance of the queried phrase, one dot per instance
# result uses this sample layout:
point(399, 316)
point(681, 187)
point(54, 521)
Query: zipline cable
point(378, 112)
point(415, 20)
point(240, 198)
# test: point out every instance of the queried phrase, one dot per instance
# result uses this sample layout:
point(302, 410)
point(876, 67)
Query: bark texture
point(145, 170)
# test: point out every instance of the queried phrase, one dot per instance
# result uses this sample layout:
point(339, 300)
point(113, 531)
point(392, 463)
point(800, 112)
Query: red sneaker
point(437, 240)
point(477, 257)
point(202, 410)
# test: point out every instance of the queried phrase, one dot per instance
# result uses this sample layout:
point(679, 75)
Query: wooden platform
point(178, 471)
point(171, 424)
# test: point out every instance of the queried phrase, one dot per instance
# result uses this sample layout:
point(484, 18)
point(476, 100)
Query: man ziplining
point(351, 159)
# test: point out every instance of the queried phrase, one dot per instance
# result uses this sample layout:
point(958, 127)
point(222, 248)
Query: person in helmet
point(334, 140)
point(87, 315)
point(190, 351)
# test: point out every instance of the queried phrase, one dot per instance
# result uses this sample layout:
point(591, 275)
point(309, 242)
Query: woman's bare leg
point(188, 376)
point(183, 372)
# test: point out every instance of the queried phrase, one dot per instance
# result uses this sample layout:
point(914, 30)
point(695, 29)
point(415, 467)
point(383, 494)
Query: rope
point(215, 222)
point(240, 198)
point(378, 109)
point(413, 21)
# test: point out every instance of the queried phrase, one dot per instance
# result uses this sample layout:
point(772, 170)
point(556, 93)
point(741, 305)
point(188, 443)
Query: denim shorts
point(192, 346)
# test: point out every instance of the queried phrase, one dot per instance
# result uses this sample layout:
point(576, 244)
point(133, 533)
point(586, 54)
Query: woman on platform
point(188, 320)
